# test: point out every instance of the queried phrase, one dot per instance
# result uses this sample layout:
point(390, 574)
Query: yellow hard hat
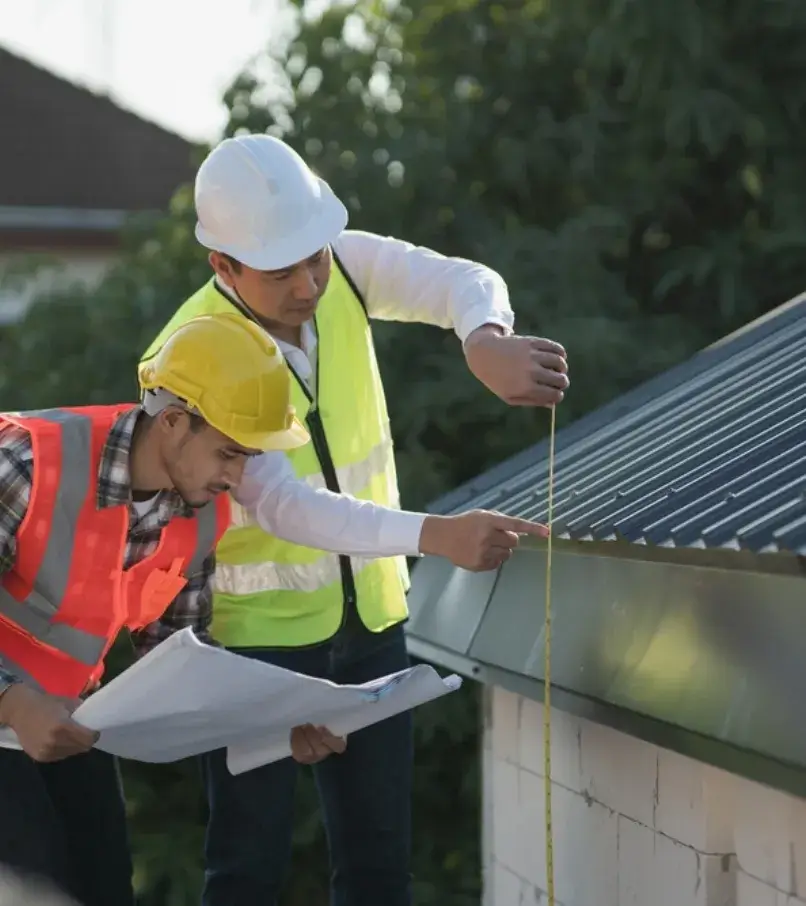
point(234, 375)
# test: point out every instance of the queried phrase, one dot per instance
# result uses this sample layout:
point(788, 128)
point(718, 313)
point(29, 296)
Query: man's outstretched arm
point(290, 509)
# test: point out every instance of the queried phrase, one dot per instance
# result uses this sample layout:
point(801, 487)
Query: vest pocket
point(158, 590)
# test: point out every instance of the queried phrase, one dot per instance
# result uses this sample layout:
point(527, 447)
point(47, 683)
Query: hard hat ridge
point(232, 373)
point(259, 202)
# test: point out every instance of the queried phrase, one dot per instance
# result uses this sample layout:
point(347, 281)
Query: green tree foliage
point(634, 169)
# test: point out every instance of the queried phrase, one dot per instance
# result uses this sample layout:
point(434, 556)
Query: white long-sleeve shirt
point(398, 282)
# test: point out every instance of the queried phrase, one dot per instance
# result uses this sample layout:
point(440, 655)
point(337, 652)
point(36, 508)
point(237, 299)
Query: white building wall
point(634, 824)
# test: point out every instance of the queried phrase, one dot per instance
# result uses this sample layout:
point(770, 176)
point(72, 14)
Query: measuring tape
point(547, 681)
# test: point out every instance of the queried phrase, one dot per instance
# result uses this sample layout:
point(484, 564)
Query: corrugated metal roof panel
point(710, 454)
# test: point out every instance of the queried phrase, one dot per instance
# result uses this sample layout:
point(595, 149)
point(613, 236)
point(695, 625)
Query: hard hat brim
point(289, 439)
point(323, 229)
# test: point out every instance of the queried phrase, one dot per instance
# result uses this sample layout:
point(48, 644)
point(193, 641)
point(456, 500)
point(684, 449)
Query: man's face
point(201, 461)
point(288, 297)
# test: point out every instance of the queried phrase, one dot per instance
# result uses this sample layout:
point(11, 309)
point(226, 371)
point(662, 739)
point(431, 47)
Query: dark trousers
point(66, 822)
point(365, 795)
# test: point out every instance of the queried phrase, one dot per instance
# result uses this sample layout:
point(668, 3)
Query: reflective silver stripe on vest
point(253, 578)
point(206, 522)
point(352, 480)
point(77, 644)
point(35, 612)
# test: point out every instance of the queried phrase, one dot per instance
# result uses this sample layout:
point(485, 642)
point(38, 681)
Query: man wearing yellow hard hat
point(109, 520)
point(283, 259)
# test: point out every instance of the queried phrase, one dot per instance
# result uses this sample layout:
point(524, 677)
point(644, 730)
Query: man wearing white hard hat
point(282, 256)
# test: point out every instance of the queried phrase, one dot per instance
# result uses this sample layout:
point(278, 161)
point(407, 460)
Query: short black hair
point(233, 262)
point(197, 423)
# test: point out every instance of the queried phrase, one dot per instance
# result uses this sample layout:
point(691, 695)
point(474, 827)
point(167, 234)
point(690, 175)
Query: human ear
point(222, 267)
point(171, 419)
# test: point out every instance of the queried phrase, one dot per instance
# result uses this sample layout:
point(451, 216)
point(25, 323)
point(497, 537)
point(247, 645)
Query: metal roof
point(677, 592)
point(711, 454)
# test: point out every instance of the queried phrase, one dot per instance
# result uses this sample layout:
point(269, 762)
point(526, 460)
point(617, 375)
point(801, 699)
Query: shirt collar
point(308, 330)
point(114, 473)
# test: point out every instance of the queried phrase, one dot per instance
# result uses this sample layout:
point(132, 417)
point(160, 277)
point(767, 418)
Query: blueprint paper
point(185, 698)
point(378, 700)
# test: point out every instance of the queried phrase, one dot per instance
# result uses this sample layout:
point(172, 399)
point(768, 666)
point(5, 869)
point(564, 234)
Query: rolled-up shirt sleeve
point(289, 508)
point(403, 282)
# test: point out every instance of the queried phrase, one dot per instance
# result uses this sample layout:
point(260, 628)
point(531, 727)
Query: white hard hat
point(258, 201)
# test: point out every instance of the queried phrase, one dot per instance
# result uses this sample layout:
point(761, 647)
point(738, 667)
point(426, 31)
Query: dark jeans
point(66, 822)
point(365, 794)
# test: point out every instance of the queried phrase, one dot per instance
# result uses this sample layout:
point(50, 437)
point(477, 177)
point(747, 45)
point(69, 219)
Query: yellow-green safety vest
point(269, 592)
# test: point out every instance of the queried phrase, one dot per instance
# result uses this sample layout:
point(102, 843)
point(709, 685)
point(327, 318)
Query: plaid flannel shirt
point(193, 605)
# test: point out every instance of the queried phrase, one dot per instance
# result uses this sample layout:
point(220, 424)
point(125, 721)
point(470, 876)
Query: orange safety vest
point(67, 596)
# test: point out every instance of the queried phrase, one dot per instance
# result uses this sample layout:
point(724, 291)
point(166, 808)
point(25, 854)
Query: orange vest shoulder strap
point(201, 533)
point(223, 515)
point(66, 445)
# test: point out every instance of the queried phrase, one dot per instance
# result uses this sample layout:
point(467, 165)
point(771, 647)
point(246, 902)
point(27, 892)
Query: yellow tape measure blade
point(547, 676)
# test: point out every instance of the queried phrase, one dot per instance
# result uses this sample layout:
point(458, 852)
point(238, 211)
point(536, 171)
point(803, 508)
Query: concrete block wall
point(634, 824)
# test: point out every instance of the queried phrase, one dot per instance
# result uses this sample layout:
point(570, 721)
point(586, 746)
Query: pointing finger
point(522, 526)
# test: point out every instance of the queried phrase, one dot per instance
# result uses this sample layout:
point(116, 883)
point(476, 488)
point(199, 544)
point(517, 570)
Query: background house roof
point(65, 147)
point(709, 454)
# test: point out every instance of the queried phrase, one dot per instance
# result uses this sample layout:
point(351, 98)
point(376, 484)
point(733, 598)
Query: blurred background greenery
point(636, 172)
